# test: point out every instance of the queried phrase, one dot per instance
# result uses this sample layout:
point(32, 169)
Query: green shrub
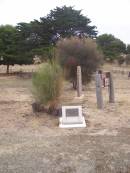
point(73, 51)
point(47, 84)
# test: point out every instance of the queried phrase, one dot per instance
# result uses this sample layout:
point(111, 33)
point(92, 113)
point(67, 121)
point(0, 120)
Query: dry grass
point(103, 145)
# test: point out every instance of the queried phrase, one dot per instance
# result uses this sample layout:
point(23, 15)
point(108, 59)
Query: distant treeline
point(21, 43)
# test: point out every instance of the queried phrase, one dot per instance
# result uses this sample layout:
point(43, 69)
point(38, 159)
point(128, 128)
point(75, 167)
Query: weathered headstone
point(79, 81)
point(72, 117)
point(111, 89)
point(99, 91)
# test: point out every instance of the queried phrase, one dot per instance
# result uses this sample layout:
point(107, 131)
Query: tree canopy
point(66, 21)
point(19, 44)
point(111, 46)
point(8, 45)
point(11, 49)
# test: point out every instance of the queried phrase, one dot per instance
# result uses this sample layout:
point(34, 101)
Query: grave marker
point(72, 117)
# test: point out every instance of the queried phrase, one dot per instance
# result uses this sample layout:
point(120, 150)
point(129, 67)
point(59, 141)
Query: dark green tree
point(18, 45)
point(8, 45)
point(66, 21)
point(35, 38)
point(111, 46)
point(11, 49)
point(39, 37)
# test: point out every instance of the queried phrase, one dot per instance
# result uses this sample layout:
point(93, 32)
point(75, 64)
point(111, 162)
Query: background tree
point(35, 39)
point(8, 45)
point(66, 21)
point(128, 49)
point(83, 52)
point(111, 46)
point(28, 40)
point(39, 37)
point(11, 50)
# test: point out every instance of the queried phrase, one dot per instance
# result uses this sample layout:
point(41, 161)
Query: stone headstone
point(72, 117)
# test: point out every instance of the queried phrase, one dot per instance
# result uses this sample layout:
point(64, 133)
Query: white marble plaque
point(72, 117)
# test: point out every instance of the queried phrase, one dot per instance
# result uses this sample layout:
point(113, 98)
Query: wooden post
point(111, 89)
point(79, 81)
point(99, 91)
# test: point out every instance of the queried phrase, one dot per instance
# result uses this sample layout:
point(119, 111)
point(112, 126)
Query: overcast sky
point(110, 16)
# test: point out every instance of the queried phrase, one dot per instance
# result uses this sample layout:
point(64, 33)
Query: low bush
point(120, 60)
point(73, 52)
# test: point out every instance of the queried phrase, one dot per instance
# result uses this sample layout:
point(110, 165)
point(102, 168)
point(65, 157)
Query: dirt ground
point(33, 143)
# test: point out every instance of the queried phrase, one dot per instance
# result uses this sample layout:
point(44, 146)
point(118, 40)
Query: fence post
point(111, 89)
point(79, 81)
point(99, 91)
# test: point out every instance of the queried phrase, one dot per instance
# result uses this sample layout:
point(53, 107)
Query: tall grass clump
point(47, 85)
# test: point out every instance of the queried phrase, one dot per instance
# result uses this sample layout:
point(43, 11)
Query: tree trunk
point(7, 71)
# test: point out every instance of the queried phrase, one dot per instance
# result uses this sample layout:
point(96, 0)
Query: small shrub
point(47, 84)
point(120, 60)
point(73, 51)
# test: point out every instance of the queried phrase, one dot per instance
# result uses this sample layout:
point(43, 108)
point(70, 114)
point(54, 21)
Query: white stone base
point(62, 125)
